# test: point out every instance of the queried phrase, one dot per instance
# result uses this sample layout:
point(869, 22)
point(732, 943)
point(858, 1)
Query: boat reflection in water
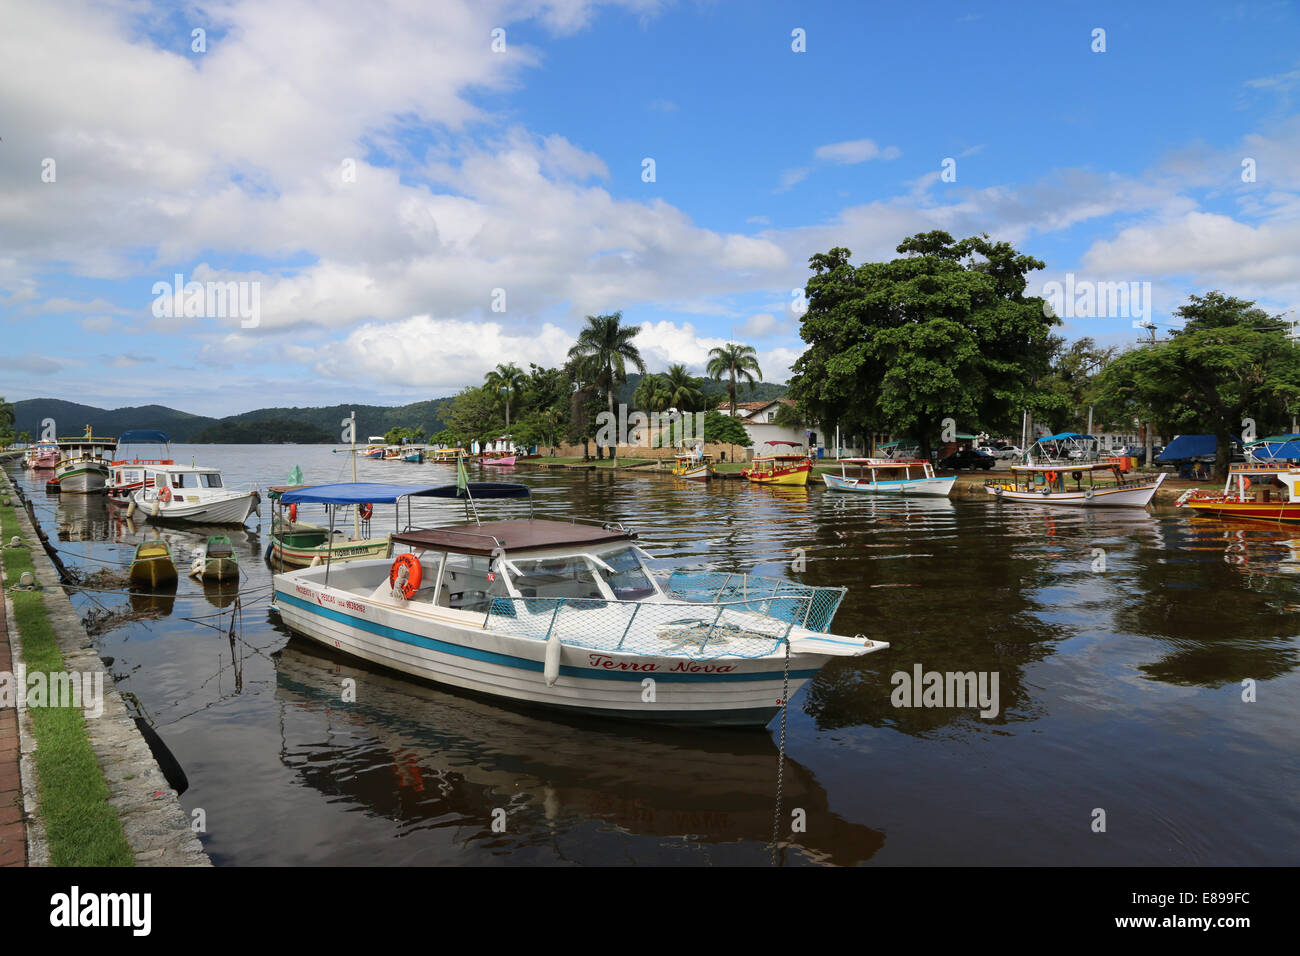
point(424, 757)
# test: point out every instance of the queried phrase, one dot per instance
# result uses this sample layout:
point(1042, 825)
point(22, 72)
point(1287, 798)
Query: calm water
point(1120, 640)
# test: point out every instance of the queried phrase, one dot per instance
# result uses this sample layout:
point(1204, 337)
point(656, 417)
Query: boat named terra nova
point(194, 494)
point(563, 614)
point(890, 476)
point(83, 467)
point(1076, 485)
point(1259, 492)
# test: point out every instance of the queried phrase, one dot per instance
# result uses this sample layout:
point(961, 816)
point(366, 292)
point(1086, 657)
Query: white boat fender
point(157, 506)
point(316, 562)
point(1088, 494)
point(552, 669)
point(1045, 491)
point(130, 509)
point(997, 491)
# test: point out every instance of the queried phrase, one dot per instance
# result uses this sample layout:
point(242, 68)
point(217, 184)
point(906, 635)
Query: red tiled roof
point(755, 406)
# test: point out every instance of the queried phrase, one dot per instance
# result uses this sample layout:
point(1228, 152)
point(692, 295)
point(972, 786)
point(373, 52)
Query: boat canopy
point(516, 536)
point(1062, 437)
point(1276, 451)
point(376, 493)
point(1184, 447)
point(144, 436)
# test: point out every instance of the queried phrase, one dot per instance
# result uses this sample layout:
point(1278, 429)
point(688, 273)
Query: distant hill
point(713, 390)
point(72, 418)
point(262, 431)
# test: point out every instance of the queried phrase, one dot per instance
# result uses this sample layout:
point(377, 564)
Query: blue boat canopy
point(1062, 436)
point(144, 436)
point(1276, 451)
point(380, 493)
point(1190, 446)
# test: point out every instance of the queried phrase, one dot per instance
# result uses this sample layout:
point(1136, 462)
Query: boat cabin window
point(209, 480)
point(628, 581)
point(468, 583)
point(177, 481)
point(569, 576)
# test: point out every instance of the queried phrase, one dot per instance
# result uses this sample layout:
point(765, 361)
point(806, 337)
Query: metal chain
point(780, 765)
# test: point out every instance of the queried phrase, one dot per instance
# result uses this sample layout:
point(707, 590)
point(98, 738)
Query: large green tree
point(602, 353)
point(944, 331)
point(1229, 368)
point(734, 362)
point(505, 381)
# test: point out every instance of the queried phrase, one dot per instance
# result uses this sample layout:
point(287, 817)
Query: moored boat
point(778, 469)
point(501, 461)
point(889, 476)
point(694, 465)
point(1050, 485)
point(300, 544)
point(215, 560)
point(566, 615)
point(129, 475)
point(84, 465)
point(445, 456)
point(1255, 492)
point(193, 494)
point(376, 447)
point(153, 565)
point(42, 456)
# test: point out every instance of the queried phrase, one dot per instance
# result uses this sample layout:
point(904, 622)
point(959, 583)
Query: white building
point(759, 419)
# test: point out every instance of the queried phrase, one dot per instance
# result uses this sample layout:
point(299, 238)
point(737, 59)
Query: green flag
point(295, 476)
point(462, 479)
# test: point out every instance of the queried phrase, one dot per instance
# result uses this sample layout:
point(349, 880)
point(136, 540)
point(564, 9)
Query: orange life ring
point(366, 511)
point(1050, 477)
point(413, 574)
point(293, 512)
point(165, 494)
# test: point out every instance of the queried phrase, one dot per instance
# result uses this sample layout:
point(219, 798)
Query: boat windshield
point(569, 576)
point(209, 480)
point(628, 580)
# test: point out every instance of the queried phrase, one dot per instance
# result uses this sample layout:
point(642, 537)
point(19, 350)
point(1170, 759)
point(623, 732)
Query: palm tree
point(605, 348)
point(735, 362)
point(505, 380)
point(652, 393)
point(684, 393)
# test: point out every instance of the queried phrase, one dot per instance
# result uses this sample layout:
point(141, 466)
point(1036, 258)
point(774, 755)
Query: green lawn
point(82, 829)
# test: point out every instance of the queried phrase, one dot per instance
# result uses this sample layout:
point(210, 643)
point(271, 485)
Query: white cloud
point(855, 151)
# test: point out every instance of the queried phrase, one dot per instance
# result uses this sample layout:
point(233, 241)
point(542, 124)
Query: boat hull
point(1274, 511)
point(1138, 497)
point(506, 462)
point(453, 648)
point(795, 476)
point(930, 487)
point(82, 478)
point(301, 557)
point(231, 509)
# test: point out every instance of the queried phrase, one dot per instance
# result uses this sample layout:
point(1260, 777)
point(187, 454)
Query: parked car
point(1008, 453)
point(968, 458)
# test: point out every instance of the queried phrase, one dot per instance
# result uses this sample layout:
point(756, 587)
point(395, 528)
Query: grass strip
point(80, 825)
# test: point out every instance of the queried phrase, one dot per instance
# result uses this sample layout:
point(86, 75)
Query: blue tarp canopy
point(380, 493)
point(144, 436)
point(1062, 436)
point(1185, 447)
point(1276, 451)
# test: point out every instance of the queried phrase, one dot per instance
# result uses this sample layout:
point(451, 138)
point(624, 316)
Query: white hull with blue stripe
point(936, 487)
point(565, 615)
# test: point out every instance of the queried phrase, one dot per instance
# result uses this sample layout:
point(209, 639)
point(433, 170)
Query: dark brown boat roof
point(512, 536)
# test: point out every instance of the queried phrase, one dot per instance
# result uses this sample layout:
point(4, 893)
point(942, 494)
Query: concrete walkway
point(13, 835)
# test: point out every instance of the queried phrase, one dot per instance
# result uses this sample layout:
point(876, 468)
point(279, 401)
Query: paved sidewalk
point(13, 834)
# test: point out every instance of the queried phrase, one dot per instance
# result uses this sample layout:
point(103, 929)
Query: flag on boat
point(295, 476)
point(462, 479)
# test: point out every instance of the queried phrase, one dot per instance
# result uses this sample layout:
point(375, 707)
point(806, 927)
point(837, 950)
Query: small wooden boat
point(215, 560)
point(376, 447)
point(505, 461)
point(153, 566)
point(300, 544)
point(445, 456)
point(694, 465)
point(889, 476)
point(780, 469)
point(1058, 484)
point(414, 456)
point(1256, 492)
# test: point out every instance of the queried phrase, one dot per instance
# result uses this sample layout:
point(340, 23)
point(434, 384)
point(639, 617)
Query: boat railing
point(695, 631)
point(713, 587)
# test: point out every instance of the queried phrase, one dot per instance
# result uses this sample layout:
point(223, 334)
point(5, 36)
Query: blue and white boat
point(563, 614)
point(890, 476)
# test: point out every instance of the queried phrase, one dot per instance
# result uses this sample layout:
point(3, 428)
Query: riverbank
point(969, 485)
point(93, 794)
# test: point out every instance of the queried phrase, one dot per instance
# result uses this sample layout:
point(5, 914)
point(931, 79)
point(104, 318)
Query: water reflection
point(423, 757)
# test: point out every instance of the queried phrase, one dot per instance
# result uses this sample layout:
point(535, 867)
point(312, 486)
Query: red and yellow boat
point(1258, 492)
point(780, 469)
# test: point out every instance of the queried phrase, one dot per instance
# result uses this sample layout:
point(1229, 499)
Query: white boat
point(193, 494)
point(83, 467)
point(889, 476)
point(1065, 485)
point(564, 615)
point(129, 475)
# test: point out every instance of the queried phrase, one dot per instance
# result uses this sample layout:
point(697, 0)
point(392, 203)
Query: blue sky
point(515, 177)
